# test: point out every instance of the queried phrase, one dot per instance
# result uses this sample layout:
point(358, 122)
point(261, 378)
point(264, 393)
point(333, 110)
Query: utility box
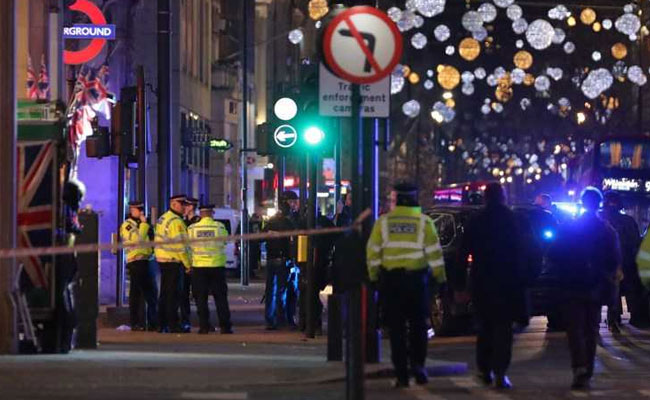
point(87, 293)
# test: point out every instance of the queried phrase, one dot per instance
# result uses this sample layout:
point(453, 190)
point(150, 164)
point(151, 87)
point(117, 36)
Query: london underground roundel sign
point(98, 32)
point(362, 45)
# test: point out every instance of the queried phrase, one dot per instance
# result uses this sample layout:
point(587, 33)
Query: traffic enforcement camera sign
point(362, 45)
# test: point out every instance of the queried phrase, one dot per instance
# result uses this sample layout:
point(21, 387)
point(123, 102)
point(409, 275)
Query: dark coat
point(628, 237)
point(584, 258)
point(497, 276)
point(278, 248)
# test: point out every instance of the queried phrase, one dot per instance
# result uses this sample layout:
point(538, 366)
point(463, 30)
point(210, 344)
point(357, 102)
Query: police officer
point(585, 257)
point(135, 229)
point(189, 218)
point(277, 271)
point(209, 270)
point(173, 260)
point(403, 252)
point(492, 240)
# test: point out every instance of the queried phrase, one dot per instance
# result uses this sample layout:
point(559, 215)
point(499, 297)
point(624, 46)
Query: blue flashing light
point(549, 234)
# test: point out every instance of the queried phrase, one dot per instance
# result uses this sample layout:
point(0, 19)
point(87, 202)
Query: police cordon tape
point(93, 247)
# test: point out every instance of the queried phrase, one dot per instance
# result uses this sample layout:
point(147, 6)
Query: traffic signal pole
point(8, 328)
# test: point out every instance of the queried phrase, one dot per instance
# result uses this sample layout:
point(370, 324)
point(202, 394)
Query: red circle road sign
point(362, 45)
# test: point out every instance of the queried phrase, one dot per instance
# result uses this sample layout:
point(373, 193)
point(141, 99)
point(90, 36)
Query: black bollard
point(334, 328)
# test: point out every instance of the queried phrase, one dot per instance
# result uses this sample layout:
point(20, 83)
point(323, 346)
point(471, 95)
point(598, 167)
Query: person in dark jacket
point(629, 241)
point(278, 252)
point(585, 257)
point(493, 242)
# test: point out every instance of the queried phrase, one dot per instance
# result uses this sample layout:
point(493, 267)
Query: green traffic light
point(314, 135)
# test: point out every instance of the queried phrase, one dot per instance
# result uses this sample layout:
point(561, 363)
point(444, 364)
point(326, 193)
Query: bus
point(622, 164)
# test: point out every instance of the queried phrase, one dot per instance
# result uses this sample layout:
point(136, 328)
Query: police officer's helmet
point(407, 194)
point(591, 198)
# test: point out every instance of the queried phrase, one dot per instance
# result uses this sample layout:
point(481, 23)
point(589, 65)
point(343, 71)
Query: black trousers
point(185, 298)
point(406, 310)
point(582, 318)
point(170, 289)
point(206, 282)
point(493, 345)
point(142, 287)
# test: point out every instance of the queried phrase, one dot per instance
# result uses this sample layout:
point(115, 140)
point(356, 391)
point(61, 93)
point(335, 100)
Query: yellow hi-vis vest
point(170, 226)
point(132, 232)
point(643, 261)
point(405, 238)
point(207, 254)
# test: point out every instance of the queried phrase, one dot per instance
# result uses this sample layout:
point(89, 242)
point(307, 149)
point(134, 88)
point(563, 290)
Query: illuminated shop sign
point(626, 185)
point(98, 31)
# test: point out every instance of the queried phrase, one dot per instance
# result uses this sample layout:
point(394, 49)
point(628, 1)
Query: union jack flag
point(32, 87)
point(36, 174)
point(43, 81)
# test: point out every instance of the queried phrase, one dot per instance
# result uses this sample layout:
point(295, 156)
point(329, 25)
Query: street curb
point(439, 369)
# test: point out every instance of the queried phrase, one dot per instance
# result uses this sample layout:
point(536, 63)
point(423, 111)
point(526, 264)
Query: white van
point(230, 218)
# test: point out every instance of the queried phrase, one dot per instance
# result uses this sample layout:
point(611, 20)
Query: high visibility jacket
point(643, 261)
point(207, 254)
point(405, 238)
point(170, 226)
point(131, 232)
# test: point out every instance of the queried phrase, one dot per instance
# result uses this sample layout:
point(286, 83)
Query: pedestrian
point(254, 250)
point(403, 253)
point(497, 276)
point(295, 279)
point(585, 257)
point(209, 270)
point(189, 218)
point(277, 270)
point(343, 215)
point(173, 260)
point(631, 287)
point(135, 229)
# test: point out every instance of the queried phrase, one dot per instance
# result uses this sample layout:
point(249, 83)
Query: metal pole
point(312, 295)
point(119, 273)
point(142, 138)
point(164, 103)
point(8, 328)
point(245, 273)
point(337, 164)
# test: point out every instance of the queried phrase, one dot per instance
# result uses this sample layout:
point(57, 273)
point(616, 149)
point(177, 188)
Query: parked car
point(452, 317)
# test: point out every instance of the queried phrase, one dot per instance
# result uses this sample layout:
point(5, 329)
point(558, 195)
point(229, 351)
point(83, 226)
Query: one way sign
point(285, 136)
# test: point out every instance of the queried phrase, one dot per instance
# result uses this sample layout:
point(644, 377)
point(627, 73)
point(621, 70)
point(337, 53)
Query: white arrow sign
point(285, 136)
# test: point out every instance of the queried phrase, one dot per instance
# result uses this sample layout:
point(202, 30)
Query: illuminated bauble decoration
point(418, 21)
point(503, 92)
point(524, 103)
point(418, 41)
point(628, 8)
point(480, 34)
point(394, 13)
point(406, 70)
point(519, 26)
point(318, 9)
point(619, 70)
point(472, 21)
point(492, 80)
point(430, 8)
point(635, 74)
point(430, 73)
point(519, 44)
point(407, 22)
point(480, 73)
point(411, 108)
point(469, 49)
point(414, 78)
point(542, 83)
point(485, 109)
point(628, 24)
point(559, 12)
point(397, 80)
point(559, 36)
point(442, 33)
point(529, 80)
point(503, 3)
point(569, 47)
point(410, 5)
point(488, 12)
point(588, 16)
point(607, 24)
point(564, 102)
point(497, 107)
point(467, 77)
point(296, 36)
point(540, 34)
point(428, 84)
point(450, 50)
point(468, 89)
point(596, 26)
point(598, 81)
point(500, 72)
point(518, 76)
point(523, 59)
point(596, 56)
point(448, 77)
point(451, 103)
point(514, 12)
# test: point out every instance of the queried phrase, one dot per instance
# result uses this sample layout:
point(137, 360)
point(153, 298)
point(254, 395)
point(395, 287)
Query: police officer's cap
point(192, 201)
point(406, 189)
point(179, 197)
point(206, 207)
point(289, 195)
point(136, 204)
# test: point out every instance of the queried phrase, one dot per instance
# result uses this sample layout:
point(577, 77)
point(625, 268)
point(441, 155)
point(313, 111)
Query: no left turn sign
point(362, 45)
